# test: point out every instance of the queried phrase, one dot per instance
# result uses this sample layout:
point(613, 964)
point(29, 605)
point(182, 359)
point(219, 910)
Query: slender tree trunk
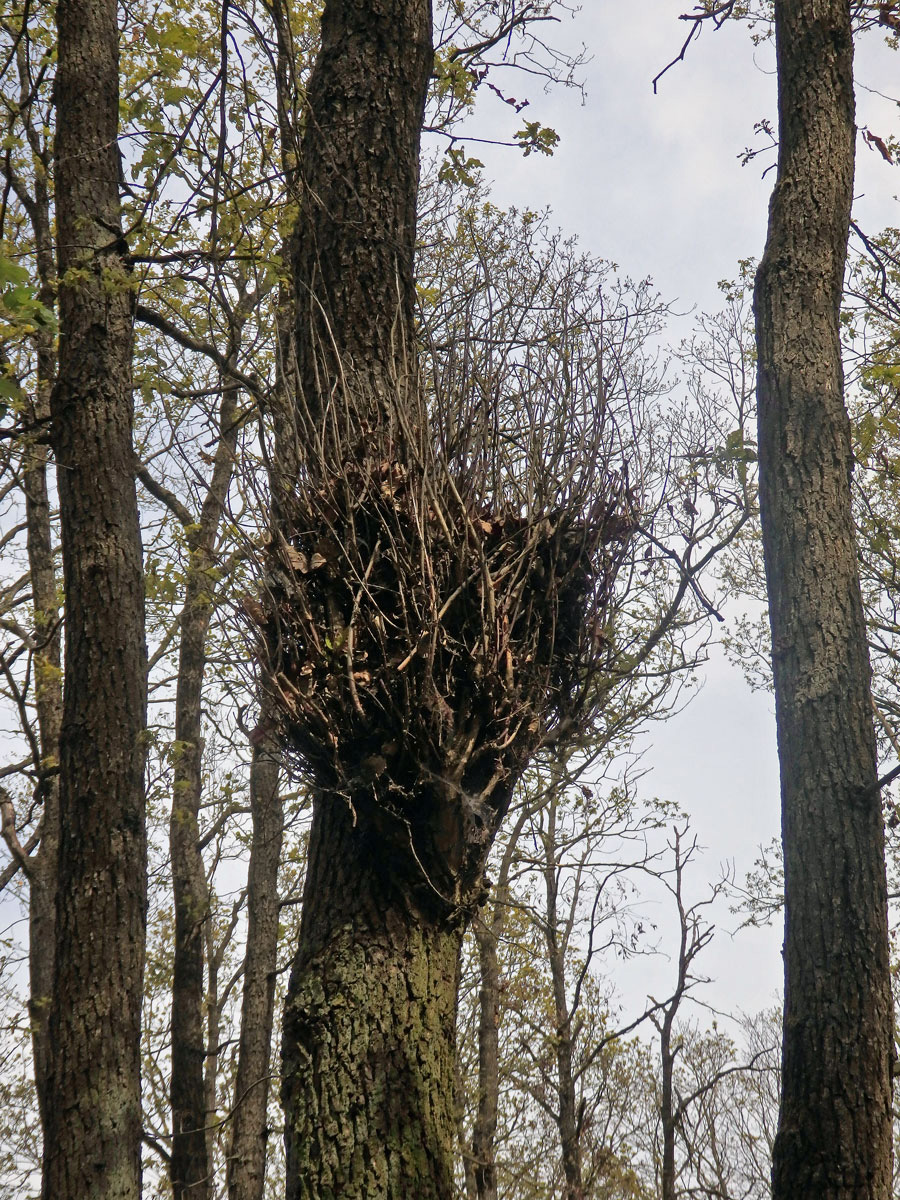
point(93, 1129)
point(468, 1163)
point(485, 1129)
point(834, 1138)
point(213, 1037)
point(567, 1119)
point(250, 1129)
point(246, 1164)
point(667, 1106)
point(569, 1134)
point(48, 673)
point(190, 1165)
point(369, 1034)
point(488, 933)
point(42, 876)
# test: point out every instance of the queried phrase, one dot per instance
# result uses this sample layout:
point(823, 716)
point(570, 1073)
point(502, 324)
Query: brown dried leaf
point(254, 610)
point(295, 560)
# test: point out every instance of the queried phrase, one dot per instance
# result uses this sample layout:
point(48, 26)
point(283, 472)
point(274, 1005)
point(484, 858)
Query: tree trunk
point(488, 931)
point(667, 1117)
point(359, 176)
point(93, 1130)
point(369, 1034)
point(485, 1129)
point(834, 1137)
point(567, 1113)
point(368, 1056)
point(250, 1131)
point(190, 1166)
point(42, 876)
point(48, 660)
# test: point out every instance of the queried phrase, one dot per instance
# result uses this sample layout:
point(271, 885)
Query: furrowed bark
point(834, 1138)
point(359, 176)
point(93, 1129)
point(369, 1049)
point(190, 1166)
point(250, 1130)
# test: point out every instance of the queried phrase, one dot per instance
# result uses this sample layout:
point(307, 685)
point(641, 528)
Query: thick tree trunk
point(359, 175)
point(190, 1165)
point(369, 1034)
point(250, 1130)
point(834, 1137)
point(93, 1130)
point(368, 1054)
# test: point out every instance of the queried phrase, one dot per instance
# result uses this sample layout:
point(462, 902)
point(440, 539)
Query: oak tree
point(834, 1134)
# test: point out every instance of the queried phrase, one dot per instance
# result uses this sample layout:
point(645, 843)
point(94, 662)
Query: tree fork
point(834, 1138)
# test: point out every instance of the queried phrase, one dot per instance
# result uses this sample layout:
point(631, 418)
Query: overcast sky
point(655, 183)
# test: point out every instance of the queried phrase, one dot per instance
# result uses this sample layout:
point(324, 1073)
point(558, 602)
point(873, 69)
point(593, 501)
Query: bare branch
point(10, 835)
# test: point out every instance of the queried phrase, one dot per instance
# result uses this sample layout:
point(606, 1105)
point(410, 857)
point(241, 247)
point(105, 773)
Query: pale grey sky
point(655, 183)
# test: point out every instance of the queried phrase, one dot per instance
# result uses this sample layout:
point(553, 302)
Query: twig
point(10, 835)
point(718, 15)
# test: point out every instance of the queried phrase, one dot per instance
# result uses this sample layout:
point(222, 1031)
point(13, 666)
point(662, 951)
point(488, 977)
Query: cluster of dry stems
point(428, 619)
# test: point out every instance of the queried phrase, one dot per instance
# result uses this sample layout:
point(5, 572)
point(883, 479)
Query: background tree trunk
point(247, 1155)
point(42, 875)
point(567, 1099)
point(48, 661)
point(191, 1169)
point(487, 935)
point(94, 1127)
point(834, 1136)
point(488, 931)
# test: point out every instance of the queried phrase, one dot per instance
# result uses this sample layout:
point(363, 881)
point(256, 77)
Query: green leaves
point(20, 309)
point(536, 137)
point(457, 168)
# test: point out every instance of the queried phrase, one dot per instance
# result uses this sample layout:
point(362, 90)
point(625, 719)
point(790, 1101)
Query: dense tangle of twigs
point(436, 588)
